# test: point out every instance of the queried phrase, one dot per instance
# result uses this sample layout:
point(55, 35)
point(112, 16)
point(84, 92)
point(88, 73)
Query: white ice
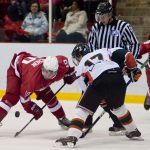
point(41, 134)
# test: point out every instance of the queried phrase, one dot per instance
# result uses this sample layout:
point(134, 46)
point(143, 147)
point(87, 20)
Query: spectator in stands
point(35, 23)
point(65, 8)
point(56, 7)
point(25, 7)
point(14, 11)
point(44, 5)
point(75, 27)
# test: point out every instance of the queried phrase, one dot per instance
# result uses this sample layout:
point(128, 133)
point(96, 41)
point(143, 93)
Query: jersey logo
point(114, 33)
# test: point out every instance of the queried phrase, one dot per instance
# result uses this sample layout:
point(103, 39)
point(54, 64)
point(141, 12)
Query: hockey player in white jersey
point(105, 85)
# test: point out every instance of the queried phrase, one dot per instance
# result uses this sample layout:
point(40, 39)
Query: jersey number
point(89, 63)
point(28, 60)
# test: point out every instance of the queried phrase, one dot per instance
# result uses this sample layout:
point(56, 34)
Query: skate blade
point(70, 145)
point(137, 139)
point(119, 133)
point(60, 145)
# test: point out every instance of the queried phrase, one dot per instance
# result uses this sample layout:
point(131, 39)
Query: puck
point(17, 114)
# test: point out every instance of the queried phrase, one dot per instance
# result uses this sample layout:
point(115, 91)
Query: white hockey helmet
point(50, 67)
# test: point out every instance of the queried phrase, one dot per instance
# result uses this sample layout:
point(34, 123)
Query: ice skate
point(64, 122)
point(134, 135)
point(117, 131)
point(69, 141)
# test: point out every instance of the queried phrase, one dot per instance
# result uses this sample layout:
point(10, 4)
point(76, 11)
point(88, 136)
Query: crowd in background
point(19, 20)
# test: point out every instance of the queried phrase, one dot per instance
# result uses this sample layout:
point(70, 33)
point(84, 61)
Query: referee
point(108, 32)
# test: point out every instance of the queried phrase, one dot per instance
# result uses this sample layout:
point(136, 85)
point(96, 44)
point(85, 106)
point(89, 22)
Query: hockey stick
point(17, 133)
point(142, 64)
point(103, 112)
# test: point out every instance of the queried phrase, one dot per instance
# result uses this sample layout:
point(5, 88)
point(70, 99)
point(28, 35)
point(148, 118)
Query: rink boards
point(135, 93)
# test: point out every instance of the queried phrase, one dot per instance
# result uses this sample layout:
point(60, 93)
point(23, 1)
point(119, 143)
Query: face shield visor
point(99, 17)
point(48, 74)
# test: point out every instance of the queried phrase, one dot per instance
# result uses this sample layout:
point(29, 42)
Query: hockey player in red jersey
point(144, 49)
point(105, 85)
point(27, 74)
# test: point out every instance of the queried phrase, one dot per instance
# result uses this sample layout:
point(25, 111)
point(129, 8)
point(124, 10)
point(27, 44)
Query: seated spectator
point(75, 27)
point(25, 7)
point(35, 23)
point(65, 8)
point(44, 5)
point(3, 9)
point(56, 13)
point(14, 11)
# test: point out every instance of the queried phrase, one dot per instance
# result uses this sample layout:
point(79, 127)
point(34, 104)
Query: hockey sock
point(125, 118)
point(56, 108)
point(77, 123)
point(4, 108)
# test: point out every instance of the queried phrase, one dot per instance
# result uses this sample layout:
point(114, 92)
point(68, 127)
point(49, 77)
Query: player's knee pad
point(10, 99)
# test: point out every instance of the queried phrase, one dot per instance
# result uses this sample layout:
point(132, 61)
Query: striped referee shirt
point(116, 34)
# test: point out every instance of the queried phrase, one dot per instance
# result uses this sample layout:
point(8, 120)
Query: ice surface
point(41, 134)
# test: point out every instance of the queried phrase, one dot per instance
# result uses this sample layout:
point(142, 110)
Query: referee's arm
point(131, 40)
point(92, 39)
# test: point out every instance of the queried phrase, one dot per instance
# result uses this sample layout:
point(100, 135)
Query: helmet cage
point(48, 74)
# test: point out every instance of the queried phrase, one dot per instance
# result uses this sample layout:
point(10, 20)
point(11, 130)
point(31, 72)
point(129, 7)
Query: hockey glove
point(34, 109)
point(70, 76)
point(134, 74)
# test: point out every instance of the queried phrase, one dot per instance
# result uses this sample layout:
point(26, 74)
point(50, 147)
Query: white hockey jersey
point(94, 64)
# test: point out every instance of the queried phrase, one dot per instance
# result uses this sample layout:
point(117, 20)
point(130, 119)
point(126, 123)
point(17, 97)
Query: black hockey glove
point(134, 74)
point(70, 76)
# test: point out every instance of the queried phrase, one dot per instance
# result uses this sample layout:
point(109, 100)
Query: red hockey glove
point(36, 111)
point(70, 76)
point(33, 109)
point(134, 74)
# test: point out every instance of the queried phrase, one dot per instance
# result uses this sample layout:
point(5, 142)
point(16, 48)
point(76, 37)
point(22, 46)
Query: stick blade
point(17, 133)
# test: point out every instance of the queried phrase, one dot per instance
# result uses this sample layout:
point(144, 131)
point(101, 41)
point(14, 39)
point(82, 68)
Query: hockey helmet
point(103, 8)
point(50, 67)
point(79, 51)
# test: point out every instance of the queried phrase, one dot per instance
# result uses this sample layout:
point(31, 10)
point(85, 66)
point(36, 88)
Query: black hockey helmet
point(80, 50)
point(103, 8)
